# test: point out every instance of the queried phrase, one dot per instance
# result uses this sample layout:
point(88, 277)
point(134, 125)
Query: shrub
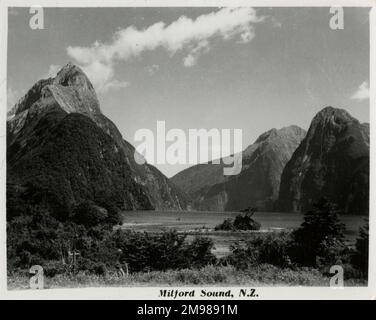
point(242, 256)
point(142, 251)
point(168, 250)
point(246, 223)
point(199, 253)
point(331, 252)
point(99, 268)
point(241, 222)
point(32, 238)
point(271, 248)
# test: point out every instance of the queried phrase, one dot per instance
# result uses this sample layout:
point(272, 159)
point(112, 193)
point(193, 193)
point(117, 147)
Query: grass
point(263, 275)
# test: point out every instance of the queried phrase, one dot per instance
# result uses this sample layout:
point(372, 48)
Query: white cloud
point(103, 77)
point(52, 71)
point(183, 35)
point(99, 74)
point(189, 61)
point(362, 93)
point(195, 53)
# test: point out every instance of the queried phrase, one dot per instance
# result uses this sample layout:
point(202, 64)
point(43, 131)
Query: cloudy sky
point(252, 69)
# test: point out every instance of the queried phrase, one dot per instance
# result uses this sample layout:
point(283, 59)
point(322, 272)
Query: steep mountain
point(256, 185)
point(64, 150)
point(332, 161)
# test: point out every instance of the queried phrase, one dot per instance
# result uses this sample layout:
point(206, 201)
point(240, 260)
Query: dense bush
point(32, 238)
point(198, 252)
point(89, 244)
point(168, 250)
point(271, 248)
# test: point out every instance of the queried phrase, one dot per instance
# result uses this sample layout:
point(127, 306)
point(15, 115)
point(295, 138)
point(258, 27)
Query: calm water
point(161, 220)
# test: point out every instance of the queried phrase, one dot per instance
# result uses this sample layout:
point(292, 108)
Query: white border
point(142, 293)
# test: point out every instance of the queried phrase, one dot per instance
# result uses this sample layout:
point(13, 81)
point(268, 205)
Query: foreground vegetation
point(262, 275)
point(86, 251)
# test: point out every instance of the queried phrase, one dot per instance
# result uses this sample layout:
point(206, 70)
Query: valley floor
point(263, 275)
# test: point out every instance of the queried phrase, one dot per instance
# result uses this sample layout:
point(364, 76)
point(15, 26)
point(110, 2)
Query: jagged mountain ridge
point(256, 185)
point(332, 161)
point(49, 105)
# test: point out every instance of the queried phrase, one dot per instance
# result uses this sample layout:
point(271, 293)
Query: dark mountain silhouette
point(62, 150)
point(332, 161)
point(257, 185)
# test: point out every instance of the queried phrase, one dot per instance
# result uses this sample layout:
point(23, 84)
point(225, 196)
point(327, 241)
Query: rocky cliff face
point(58, 140)
point(257, 185)
point(332, 161)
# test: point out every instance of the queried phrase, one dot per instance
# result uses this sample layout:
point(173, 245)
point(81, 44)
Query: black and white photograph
point(204, 152)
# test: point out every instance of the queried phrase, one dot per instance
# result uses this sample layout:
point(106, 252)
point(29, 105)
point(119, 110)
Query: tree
point(320, 231)
point(246, 223)
point(241, 222)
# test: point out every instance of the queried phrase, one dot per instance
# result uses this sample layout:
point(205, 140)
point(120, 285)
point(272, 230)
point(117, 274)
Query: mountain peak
point(69, 68)
point(264, 136)
point(335, 114)
point(71, 89)
point(330, 121)
point(292, 130)
point(256, 185)
point(333, 160)
point(57, 131)
point(72, 75)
